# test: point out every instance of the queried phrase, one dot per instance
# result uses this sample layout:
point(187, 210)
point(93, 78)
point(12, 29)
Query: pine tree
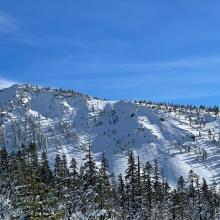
point(5, 183)
point(205, 203)
point(104, 189)
point(57, 166)
point(46, 175)
point(58, 176)
point(30, 197)
point(121, 197)
point(181, 201)
point(33, 157)
point(191, 197)
point(90, 186)
point(62, 182)
point(165, 203)
point(64, 168)
point(214, 201)
point(131, 184)
point(75, 189)
point(19, 168)
point(147, 191)
point(157, 191)
point(191, 180)
point(73, 170)
point(4, 164)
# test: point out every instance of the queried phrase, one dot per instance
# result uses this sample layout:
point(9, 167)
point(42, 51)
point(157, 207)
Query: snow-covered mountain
point(179, 137)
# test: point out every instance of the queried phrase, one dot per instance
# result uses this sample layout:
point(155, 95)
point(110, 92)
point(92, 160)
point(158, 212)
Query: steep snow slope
point(66, 122)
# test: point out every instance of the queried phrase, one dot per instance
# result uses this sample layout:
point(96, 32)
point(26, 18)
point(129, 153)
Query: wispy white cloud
point(5, 83)
point(191, 63)
point(11, 27)
point(97, 67)
point(8, 24)
point(11, 30)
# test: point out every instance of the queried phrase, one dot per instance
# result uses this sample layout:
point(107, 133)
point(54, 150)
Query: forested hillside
point(30, 189)
point(69, 155)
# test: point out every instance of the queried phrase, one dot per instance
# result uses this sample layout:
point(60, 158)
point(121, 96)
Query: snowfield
point(180, 138)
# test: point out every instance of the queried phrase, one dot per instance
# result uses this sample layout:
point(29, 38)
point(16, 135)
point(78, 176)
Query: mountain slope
point(180, 138)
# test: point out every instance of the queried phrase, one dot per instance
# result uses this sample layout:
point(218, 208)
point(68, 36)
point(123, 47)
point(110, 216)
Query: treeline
point(32, 190)
point(174, 106)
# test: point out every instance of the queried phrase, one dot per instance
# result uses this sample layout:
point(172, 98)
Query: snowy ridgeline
point(181, 138)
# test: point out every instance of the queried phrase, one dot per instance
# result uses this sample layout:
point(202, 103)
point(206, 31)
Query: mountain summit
point(180, 138)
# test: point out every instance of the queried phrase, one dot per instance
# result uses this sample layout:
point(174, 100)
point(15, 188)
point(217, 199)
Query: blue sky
point(154, 50)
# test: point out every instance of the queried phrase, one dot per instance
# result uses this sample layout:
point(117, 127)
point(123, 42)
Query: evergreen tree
point(74, 188)
point(147, 191)
point(31, 197)
point(58, 176)
point(121, 197)
point(157, 191)
point(73, 170)
point(180, 199)
point(46, 175)
point(29, 189)
point(90, 186)
point(131, 184)
point(104, 189)
point(4, 164)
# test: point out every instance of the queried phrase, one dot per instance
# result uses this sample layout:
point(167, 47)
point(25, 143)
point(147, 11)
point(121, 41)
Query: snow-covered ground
point(66, 122)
